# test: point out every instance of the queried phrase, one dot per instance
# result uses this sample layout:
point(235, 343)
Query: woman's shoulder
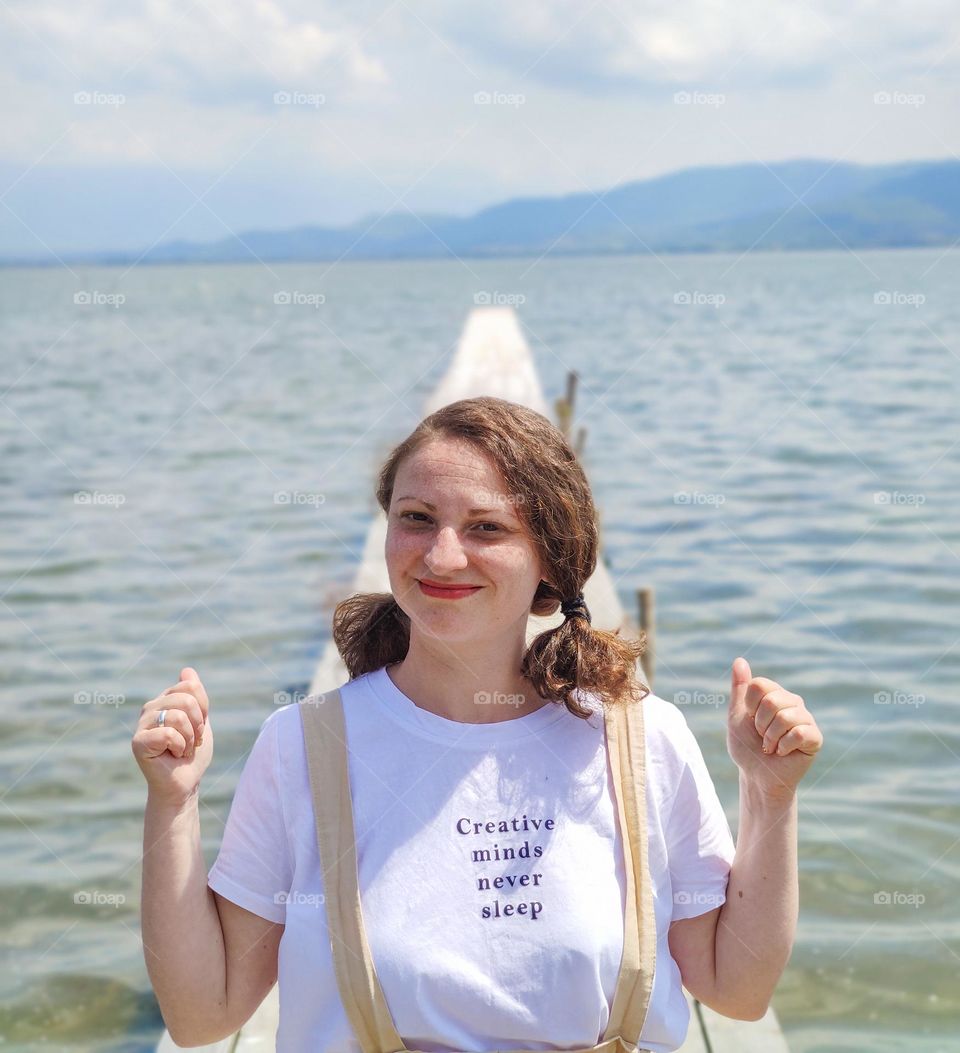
point(665, 728)
point(662, 716)
point(663, 720)
point(286, 721)
point(284, 725)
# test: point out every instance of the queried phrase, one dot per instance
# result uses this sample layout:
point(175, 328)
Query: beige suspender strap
point(626, 745)
point(325, 739)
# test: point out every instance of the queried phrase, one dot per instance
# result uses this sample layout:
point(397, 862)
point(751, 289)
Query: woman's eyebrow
point(470, 511)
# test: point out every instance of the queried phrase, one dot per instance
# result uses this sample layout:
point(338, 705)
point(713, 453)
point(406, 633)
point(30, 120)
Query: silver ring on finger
point(160, 718)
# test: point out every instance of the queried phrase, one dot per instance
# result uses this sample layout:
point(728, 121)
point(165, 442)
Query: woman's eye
point(495, 527)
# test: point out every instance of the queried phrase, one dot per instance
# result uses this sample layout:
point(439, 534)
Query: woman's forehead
point(460, 475)
point(452, 462)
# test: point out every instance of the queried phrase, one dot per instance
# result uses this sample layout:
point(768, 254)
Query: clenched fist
point(174, 755)
point(771, 735)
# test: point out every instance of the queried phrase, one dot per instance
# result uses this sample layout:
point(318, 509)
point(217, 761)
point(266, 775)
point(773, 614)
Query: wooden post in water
point(564, 405)
point(572, 379)
point(580, 443)
point(647, 618)
point(564, 410)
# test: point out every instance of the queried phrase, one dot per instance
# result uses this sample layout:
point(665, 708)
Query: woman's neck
point(475, 690)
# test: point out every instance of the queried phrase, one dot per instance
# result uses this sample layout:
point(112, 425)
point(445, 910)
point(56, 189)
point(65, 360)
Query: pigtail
point(575, 656)
point(370, 631)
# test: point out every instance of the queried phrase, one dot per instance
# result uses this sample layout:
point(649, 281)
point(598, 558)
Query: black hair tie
point(576, 606)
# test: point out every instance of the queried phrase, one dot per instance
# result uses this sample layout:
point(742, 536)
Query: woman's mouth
point(447, 592)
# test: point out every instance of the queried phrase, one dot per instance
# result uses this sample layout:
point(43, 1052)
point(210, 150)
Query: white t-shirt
point(491, 871)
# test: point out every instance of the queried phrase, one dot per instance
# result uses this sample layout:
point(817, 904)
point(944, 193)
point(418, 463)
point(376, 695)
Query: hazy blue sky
point(130, 123)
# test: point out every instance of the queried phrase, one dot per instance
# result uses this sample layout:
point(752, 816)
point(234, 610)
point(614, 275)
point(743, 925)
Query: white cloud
point(215, 52)
point(674, 42)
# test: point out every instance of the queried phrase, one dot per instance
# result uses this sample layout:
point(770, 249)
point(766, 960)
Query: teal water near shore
point(774, 445)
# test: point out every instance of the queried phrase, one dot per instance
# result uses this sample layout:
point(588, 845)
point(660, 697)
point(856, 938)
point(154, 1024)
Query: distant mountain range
point(809, 204)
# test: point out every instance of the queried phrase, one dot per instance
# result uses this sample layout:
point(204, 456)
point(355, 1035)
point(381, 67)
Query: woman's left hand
point(771, 735)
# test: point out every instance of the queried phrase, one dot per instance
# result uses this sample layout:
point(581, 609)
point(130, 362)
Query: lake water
point(807, 402)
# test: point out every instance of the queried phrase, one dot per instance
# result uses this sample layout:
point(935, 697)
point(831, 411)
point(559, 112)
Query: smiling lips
point(447, 592)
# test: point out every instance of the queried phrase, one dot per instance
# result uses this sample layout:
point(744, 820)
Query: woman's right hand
point(174, 757)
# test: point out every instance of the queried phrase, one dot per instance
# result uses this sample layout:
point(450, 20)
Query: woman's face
point(451, 522)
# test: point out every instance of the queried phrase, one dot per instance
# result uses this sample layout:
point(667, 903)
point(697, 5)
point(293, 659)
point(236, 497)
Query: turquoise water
point(784, 410)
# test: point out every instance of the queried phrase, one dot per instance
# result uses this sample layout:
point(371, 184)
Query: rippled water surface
point(814, 434)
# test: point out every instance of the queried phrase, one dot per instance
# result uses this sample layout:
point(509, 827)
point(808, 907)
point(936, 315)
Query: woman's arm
point(210, 961)
point(758, 920)
point(183, 942)
point(732, 958)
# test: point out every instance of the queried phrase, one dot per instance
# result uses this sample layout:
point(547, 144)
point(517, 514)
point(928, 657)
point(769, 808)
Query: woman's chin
point(446, 632)
point(447, 626)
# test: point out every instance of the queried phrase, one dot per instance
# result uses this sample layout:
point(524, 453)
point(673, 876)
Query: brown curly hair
point(554, 500)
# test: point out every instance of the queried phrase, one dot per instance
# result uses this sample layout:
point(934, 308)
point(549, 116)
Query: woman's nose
point(446, 553)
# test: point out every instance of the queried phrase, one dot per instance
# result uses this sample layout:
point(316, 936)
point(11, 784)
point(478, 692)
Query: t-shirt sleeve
point(253, 868)
point(700, 845)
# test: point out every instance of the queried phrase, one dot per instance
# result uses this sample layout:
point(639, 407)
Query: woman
point(475, 794)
